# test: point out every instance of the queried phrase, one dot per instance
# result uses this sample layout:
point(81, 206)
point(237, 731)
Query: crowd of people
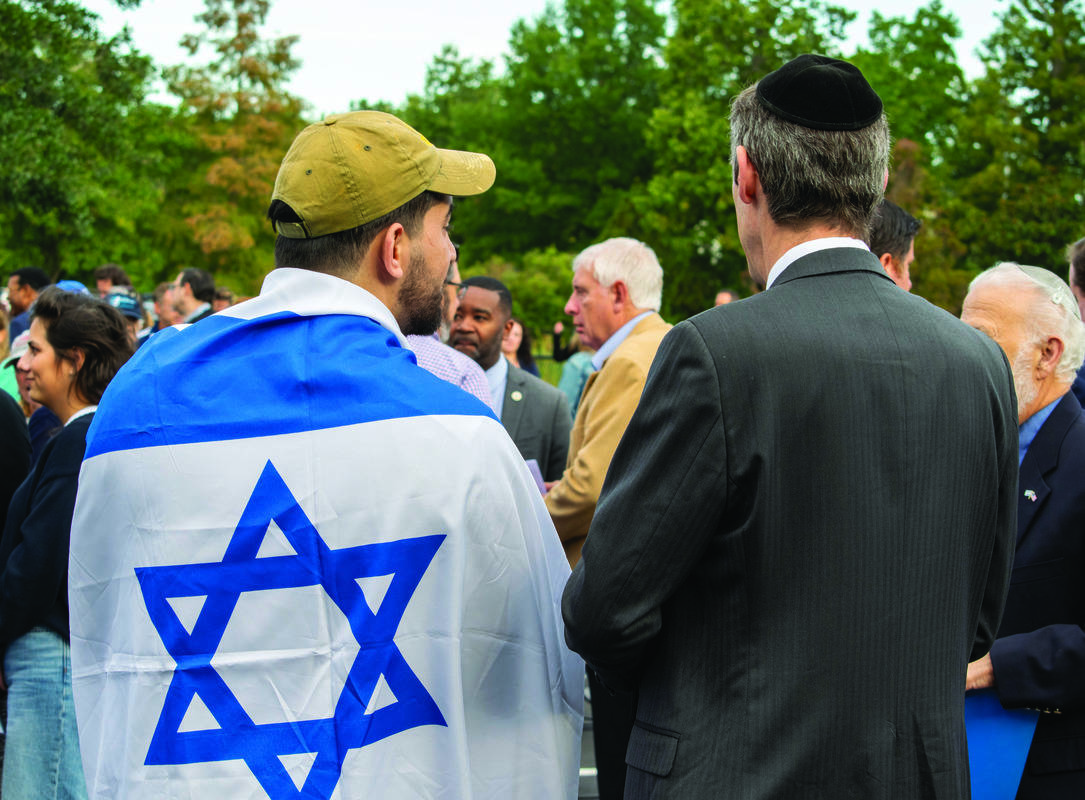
point(341, 539)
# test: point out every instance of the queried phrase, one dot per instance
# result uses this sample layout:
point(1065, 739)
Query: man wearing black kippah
point(807, 530)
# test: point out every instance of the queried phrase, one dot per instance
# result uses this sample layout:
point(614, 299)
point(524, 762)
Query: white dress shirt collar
point(81, 413)
point(808, 247)
point(498, 377)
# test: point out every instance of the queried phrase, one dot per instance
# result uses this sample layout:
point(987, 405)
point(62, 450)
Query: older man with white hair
point(617, 289)
point(1038, 659)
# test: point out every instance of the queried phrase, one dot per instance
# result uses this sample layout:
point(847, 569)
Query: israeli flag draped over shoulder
point(301, 566)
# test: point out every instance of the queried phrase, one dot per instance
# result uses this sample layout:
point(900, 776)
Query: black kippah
point(821, 93)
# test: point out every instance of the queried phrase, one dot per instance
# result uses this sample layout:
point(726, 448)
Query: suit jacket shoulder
point(536, 416)
point(818, 448)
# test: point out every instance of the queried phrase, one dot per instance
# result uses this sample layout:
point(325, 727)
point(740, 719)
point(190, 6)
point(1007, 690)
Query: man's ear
point(747, 179)
point(619, 295)
point(1050, 353)
point(393, 253)
point(889, 265)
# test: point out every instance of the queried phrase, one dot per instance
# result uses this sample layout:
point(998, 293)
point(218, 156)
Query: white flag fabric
point(303, 567)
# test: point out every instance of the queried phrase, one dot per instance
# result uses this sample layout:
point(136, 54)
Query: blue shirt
point(1030, 427)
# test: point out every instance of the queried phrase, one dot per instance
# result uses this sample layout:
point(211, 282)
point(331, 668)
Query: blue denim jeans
point(41, 748)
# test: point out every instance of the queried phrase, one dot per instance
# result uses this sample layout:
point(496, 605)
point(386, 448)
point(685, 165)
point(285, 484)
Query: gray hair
point(812, 175)
point(627, 260)
point(1054, 310)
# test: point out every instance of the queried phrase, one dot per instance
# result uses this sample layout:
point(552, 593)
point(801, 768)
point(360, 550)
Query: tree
point(540, 283)
point(912, 64)
point(685, 210)
point(582, 82)
point(1014, 176)
point(565, 124)
point(239, 108)
point(78, 172)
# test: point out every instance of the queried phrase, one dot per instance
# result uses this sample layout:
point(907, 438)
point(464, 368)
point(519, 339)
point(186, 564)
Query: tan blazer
point(609, 399)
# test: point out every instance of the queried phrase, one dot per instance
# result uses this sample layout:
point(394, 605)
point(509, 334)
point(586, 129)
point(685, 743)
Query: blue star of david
point(238, 737)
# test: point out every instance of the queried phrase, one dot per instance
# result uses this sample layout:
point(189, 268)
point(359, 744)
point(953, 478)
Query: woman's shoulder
point(65, 450)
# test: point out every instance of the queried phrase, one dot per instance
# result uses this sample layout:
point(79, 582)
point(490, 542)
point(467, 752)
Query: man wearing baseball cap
point(807, 530)
point(126, 301)
point(280, 586)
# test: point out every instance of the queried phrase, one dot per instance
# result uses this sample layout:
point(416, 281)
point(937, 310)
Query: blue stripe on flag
point(229, 378)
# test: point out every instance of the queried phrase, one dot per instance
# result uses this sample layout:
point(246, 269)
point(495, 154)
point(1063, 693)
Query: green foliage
point(77, 174)
point(565, 123)
point(912, 63)
point(685, 210)
point(605, 118)
point(1013, 179)
point(539, 283)
point(245, 120)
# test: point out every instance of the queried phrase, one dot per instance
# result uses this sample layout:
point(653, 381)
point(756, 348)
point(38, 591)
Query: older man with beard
point(1039, 656)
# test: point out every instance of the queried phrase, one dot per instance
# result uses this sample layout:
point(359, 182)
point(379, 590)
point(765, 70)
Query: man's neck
point(607, 348)
point(776, 240)
point(1048, 393)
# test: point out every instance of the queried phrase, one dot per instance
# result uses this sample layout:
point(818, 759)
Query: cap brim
point(463, 174)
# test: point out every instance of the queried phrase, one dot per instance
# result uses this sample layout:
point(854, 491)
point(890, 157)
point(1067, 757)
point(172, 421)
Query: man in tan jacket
point(617, 288)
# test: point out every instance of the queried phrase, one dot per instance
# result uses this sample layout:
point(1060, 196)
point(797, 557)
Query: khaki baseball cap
point(353, 168)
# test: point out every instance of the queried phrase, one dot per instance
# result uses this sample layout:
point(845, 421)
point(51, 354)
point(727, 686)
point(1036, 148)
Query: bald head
point(1033, 316)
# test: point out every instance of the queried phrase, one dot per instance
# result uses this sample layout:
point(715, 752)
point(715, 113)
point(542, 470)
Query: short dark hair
point(1075, 254)
point(504, 296)
point(338, 253)
point(112, 273)
point(85, 323)
point(892, 230)
point(201, 283)
point(34, 277)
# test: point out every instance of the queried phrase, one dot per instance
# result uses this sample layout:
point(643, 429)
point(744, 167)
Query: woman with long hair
point(77, 344)
point(516, 345)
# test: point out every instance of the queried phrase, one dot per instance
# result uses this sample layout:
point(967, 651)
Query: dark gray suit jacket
point(537, 417)
point(804, 537)
point(1039, 657)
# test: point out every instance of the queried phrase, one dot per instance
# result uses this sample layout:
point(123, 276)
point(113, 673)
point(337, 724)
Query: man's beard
point(1023, 384)
point(419, 302)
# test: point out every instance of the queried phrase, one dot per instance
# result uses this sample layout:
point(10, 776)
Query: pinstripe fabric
point(805, 535)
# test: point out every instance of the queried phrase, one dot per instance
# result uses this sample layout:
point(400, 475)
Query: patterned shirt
point(451, 365)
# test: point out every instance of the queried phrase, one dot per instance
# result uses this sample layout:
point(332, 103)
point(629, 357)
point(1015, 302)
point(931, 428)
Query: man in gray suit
point(535, 414)
point(807, 530)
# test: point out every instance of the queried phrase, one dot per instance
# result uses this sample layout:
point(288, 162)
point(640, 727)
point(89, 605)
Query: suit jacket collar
point(1040, 460)
point(827, 262)
point(513, 410)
